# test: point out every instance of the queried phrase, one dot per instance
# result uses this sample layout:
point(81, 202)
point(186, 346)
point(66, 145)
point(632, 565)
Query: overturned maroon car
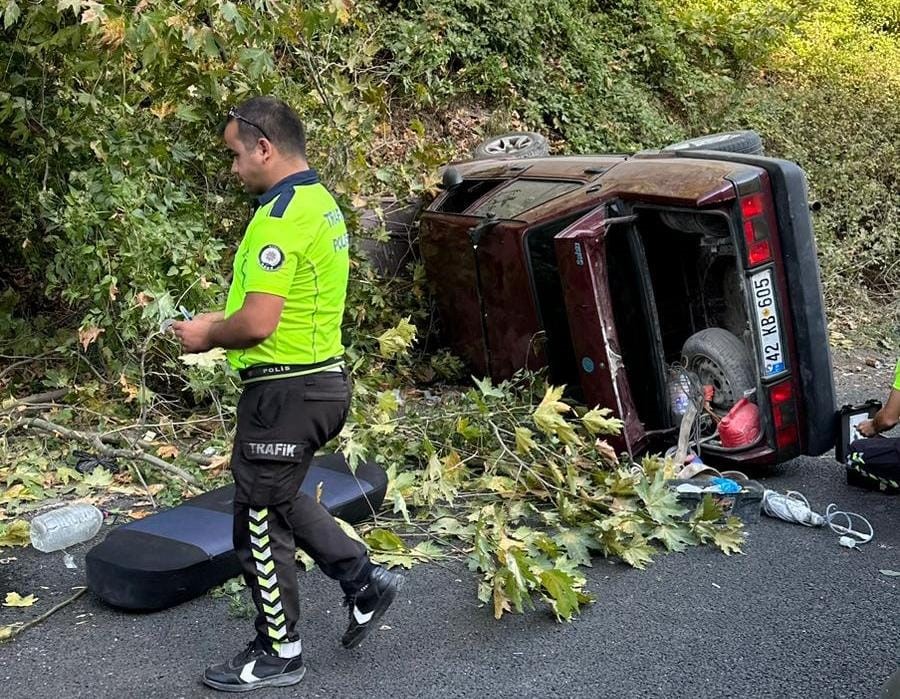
point(610, 270)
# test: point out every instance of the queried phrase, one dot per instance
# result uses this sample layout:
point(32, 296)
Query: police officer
point(282, 329)
point(874, 461)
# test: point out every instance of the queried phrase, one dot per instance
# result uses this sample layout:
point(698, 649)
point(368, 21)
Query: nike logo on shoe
point(362, 617)
point(247, 673)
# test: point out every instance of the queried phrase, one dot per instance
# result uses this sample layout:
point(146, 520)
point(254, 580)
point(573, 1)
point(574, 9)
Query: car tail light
point(756, 229)
point(784, 414)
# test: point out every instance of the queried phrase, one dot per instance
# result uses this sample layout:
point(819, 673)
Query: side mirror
point(451, 178)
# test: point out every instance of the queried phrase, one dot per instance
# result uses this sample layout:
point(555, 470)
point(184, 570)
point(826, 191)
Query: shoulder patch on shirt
point(271, 258)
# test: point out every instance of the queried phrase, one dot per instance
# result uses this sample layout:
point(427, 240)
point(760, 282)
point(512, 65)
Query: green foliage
point(831, 102)
point(528, 508)
point(240, 605)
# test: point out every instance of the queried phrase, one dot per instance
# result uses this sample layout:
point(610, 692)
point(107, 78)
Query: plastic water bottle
point(66, 526)
point(679, 394)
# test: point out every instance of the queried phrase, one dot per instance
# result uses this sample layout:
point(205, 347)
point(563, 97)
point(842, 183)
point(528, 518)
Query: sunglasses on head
point(232, 114)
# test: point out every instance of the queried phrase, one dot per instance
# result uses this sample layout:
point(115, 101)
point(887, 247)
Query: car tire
point(517, 144)
point(730, 141)
point(720, 358)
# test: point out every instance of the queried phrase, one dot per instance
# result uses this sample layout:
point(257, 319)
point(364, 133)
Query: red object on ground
point(741, 426)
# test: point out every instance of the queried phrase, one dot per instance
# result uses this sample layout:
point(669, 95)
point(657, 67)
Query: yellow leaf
point(14, 599)
point(6, 632)
point(548, 416)
point(341, 10)
point(138, 514)
point(597, 421)
point(204, 359)
point(397, 340)
point(524, 441)
point(88, 335)
point(16, 533)
point(168, 451)
point(161, 111)
point(130, 391)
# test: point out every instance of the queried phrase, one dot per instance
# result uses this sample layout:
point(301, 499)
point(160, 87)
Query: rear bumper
point(798, 245)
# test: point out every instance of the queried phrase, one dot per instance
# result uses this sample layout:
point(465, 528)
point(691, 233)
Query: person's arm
point(210, 316)
point(247, 327)
point(884, 419)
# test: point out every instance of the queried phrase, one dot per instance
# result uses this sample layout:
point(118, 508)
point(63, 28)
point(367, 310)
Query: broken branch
point(95, 440)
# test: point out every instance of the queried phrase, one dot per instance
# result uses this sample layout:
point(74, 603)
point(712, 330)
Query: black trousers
point(875, 463)
point(280, 425)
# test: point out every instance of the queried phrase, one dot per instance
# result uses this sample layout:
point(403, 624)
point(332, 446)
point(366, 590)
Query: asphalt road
point(797, 616)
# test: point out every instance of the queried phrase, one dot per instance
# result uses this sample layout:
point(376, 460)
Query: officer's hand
point(193, 334)
point(866, 428)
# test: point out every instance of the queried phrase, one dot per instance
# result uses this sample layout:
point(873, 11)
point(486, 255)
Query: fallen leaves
point(168, 451)
point(16, 533)
point(215, 463)
point(14, 599)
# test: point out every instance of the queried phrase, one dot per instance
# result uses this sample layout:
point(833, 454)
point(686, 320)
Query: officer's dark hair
point(272, 119)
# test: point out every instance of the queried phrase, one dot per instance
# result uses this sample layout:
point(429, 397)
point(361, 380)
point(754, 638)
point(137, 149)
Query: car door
point(581, 253)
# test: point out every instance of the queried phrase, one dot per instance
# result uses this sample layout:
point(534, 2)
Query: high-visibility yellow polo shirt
point(295, 246)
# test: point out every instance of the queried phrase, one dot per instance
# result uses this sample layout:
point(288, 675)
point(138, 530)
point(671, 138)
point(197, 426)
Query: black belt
point(260, 372)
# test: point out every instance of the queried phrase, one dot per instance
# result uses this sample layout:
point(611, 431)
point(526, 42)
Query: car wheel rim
point(711, 374)
point(509, 145)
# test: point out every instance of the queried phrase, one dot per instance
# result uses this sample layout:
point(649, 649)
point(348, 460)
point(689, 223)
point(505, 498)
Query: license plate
point(768, 326)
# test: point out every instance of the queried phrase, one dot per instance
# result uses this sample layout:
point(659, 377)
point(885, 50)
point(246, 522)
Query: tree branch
point(95, 439)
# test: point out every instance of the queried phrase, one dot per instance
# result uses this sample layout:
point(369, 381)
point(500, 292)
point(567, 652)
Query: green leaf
point(257, 61)
point(708, 510)
point(11, 14)
point(730, 537)
point(675, 537)
point(66, 474)
point(98, 478)
point(450, 526)
point(354, 452)
point(577, 544)
point(488, 390)
point(384, 540)
point(660, 500)
point(637, 553)
point(16, 533)
point(467, 430)
point(561, 591)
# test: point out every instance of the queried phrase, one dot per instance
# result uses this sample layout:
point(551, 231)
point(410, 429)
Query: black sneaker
point(369, 604)
point(254, 667)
